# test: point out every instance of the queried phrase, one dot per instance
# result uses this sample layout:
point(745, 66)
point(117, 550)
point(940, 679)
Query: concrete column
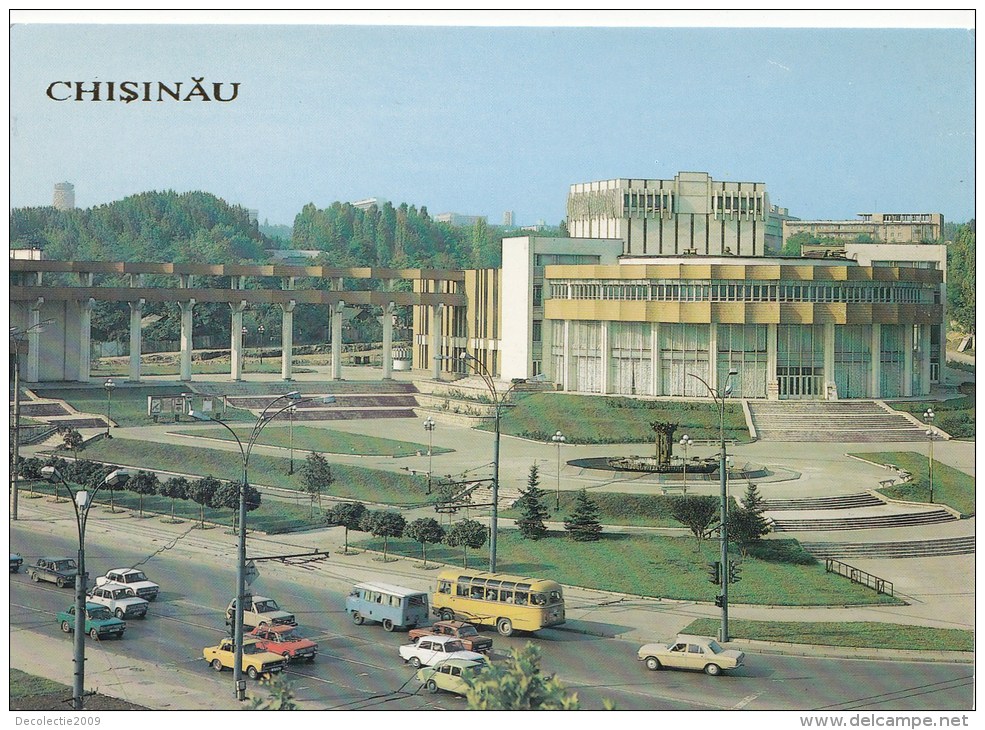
point(566, 382)
point(85, 339)
point(925, 359)
point(605, 357)
point(136, 314)
point(287, 340)
point(337, 310)
point(388, 312)
point(236, 341)
point(713, 355)
point(437, 311)
point(185, 368)
point(656, 381)
point(772, 384)
point(830, 386)
point(33, 374)
point(875, 380)
point(907, 388)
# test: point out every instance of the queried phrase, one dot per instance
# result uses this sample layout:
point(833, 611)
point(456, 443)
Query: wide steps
point(847, 501)
point(902, 549)
point(831, 422)
point(910, 519)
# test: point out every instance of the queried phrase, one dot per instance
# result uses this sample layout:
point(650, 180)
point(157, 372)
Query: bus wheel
point(357, 619)
point(387, 625)
point(504, 626)
point(447, 614)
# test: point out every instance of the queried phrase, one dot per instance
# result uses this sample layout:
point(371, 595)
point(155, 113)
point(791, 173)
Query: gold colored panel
point(763, 271)
point(696, 271)
point(663, 311)
point(696, 312)
point(860, 273)
point(729, 271)
point(885, 313)
point(762, 312)
point(831, 273)
point(797, 273)
point(858, 314)
point(796, 313)
point(830, 313)
point(728, 312)
point(885, 273)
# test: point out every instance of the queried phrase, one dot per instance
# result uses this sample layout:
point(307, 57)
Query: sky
point(483, 119)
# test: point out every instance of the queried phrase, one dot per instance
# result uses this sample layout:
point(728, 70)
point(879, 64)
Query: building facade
point(873, 228)
point(689, 215)
point(64, 196)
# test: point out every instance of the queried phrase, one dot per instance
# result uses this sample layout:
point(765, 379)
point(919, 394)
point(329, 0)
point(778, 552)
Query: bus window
point(538, 599)
point(462, 589)
point(554, 597)
point(444, 587)
point(476, 593)
point(506, 596)
point(492, 594)
point(521, 598)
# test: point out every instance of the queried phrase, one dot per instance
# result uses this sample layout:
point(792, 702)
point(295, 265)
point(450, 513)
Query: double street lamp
point(483, 372)
point(245, 450)
point(81, 500)
point(928, 416)
point(719, 396)
point(109, 385)
point(429, 427)
point(558, 439)
point(292, 411)
point(685, 442)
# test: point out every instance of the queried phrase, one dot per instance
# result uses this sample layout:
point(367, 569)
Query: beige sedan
point(691, 652)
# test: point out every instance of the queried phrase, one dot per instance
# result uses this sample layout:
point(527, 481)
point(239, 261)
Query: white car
point(119, 599)
point(691, 652)
point(135, 581)
point(430, 651)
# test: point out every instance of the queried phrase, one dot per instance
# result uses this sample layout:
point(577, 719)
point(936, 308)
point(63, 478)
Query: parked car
point(60, 571)
point(135, 581)
point(260, 611)
point(691, 652)
point(449, 675)
point(120, 600)
point(468, 634)
point(99, 622)
point(256, 661)
point(286, 641)
point(393, 606)
point(431, 650)
point(16, 561)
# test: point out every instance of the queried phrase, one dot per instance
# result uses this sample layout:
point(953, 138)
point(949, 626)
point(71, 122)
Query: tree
point(72, 441)
point(385, 524)
point(349, 515)
point(202, 491)
point(280, 697)
point(961, 278)
point(698, 514)
point(98, 480)
point(532, 510)
point(316, 475)
point(466, 534)
point(425, 530)
point(517, 684)
point(174, 488)
point(583, 524)
point(747, 523)
point(141, 483)
point(226, 496)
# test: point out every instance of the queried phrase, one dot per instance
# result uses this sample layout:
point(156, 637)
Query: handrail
point(879, 585)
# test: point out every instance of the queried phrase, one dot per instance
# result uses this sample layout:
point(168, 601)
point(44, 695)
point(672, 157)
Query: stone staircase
point(907, 519)
point(354, 400)
point(846, 501)
point(901, 549)
point(832, 421)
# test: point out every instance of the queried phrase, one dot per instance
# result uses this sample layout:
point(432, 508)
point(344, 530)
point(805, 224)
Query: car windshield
point(137, 576)
point(715, 647)
point(64, 565)
point(251, 649)
point(290, 636)
point(265, 606)
point(99, 614)
point(454, 646)
point(120, 593)
point(467, 631)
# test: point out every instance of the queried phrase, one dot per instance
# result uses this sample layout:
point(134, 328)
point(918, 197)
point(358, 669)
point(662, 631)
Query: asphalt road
point(358, 666)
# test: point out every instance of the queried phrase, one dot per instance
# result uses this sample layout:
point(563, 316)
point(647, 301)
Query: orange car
point(471, 639)
point(286, 641)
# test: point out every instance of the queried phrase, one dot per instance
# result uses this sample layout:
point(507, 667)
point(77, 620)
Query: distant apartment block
point(457, 219)
point(64, 198)
point(774, 227)
point(878, 227)
point(367, 203)
point(508, 218)
point(254, 214)
point(692, 214)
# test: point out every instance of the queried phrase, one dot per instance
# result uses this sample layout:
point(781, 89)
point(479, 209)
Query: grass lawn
point(351, 482)
point(307, 438)
point(955, 416)
point(609, 420)
point(641, 510)
point(651, 565)
point(23, 684)
point(129, 405)
point(849, 634)
point(951, 486)
point(30, 693)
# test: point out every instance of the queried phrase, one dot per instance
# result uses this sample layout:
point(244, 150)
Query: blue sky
point(479, 120)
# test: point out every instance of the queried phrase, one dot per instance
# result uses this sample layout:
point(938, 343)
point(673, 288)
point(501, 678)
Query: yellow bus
point(507, 602)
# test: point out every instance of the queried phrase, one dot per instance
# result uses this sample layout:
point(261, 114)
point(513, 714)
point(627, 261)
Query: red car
point(460, 630)
point(286, 641)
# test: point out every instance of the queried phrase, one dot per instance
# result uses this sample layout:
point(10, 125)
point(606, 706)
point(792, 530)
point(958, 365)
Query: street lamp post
point(245, 450)
point(260, 332)
point(292, 411)
point(483, 372)
point(929, 417)
point(685, 442)
point(16, 336)
point(429, 427)
point(719, 398)
point(109, 385)
point(245, 342)
point(81, 500)
point(558, 439)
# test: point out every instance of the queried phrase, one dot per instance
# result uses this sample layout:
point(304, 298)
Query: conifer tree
point(532, 510)
point(583, 525)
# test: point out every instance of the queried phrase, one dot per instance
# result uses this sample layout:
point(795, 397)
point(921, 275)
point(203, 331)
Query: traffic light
point(715, 573)
point(719, 601)
point(734, 570)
